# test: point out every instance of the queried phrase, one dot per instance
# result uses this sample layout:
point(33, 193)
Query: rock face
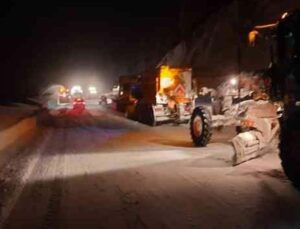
point(211, 48)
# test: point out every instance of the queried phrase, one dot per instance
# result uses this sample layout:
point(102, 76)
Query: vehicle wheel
point(145, 114)
point(289, 148)
point(200, 126)
point(149, 114)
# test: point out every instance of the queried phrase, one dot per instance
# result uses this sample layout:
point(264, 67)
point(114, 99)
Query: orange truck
point(161, 95)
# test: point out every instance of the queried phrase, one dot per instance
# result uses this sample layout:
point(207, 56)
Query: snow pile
point(12, 134)
point(13, 114)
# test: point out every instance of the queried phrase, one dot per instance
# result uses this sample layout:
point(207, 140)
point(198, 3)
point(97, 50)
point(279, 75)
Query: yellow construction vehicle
point(156, 96)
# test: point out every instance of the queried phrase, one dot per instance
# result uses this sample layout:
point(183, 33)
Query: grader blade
point(262, 121)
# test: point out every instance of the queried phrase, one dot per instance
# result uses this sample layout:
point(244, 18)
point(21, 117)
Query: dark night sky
point(49, 42)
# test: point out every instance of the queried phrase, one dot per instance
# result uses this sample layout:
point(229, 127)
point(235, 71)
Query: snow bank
point(11, 135)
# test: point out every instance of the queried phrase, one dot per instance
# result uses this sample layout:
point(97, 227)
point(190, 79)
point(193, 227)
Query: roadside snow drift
point(10, 135)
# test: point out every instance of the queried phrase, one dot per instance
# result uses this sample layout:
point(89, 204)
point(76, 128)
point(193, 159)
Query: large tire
point(200, 126)
point(290, 146)
point(144, 114)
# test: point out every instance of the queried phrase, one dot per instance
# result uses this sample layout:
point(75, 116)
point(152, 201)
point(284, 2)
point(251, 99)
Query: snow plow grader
point(257, 118)
point(243, 105)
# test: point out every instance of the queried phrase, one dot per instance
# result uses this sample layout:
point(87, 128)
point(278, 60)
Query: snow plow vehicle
point(284, 39)
point(241, 104)
point(64, 96)
point(160, 95)
point(284, 72)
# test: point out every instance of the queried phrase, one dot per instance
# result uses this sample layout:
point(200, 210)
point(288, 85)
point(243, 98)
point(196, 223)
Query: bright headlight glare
point(92, 90)
point(76, 89)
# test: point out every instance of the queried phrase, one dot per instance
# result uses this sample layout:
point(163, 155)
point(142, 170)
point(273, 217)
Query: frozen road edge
point(11, 135)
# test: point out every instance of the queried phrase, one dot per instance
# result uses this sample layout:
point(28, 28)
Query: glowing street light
point(284, 15)
point(233, 81)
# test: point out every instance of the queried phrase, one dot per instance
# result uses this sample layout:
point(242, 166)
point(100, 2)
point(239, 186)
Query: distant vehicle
point(76, 92)
point(78, 104)
point(103, 100)
point(64, 96)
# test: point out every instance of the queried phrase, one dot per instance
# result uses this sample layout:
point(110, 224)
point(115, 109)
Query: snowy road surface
point(102, 171)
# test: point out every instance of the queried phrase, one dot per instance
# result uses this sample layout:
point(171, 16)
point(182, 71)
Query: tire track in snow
point(52, 217)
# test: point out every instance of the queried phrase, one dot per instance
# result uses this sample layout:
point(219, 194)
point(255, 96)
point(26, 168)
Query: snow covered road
point(102, 171)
